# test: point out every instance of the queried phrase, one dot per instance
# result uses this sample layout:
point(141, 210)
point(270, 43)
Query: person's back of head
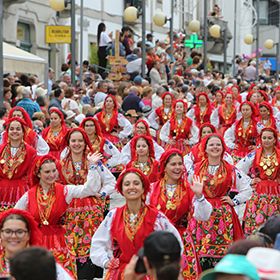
point(33, 263)
point(26, 93)
point(271, 227)
point(57, 92)
point(163, 252)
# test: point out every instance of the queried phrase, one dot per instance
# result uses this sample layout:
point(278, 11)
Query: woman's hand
point(227, 199)
point(255, 181)
point(197, 186)
point(94, 158)
point(114, 263)
point(129, 272)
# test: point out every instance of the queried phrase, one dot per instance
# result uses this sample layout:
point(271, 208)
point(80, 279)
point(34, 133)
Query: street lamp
point(58, 6)
point(249, 39)
point(160, 19)
point(269, 44)
point(194, 26)
point(215, 31)
point(130, 15)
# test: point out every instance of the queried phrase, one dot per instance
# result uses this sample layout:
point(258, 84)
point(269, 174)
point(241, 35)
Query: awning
point(18, 60)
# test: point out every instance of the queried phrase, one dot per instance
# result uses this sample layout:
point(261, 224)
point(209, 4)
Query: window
point(23, 36)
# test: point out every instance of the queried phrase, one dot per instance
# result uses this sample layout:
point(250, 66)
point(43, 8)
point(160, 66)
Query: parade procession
point(140, 139)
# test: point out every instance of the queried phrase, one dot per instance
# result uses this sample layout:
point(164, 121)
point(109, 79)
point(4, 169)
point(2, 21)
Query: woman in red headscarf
point(30, 136)
point(47, 201)
point(236, 94)
point(163, 113)
point(114, 126)
point(224, 116)
point(266, 117)
point(55, 133)
point(174, 197)
point(16, 157)
point(241, 136)
point(99, 143)
point(141, 127)
point(122, 233)
point(201, 112)
point(218, 99)
point(263, 165)
point(213, 237)
point(143, 156)
point(276, 99)
point(83, 216)
point(180, 131)
point(26, 233)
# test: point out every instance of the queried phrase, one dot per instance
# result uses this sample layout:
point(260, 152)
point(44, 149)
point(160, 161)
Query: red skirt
point(83, 217)
point(11, 191)
point(54, 240)
point(264, 203)
point(213, 237)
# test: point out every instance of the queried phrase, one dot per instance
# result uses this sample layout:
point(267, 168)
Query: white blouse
point(165, 131)
point(242, 183)
point(189, 158)
point(125, 156)
point(101, 250)
point(91, 187)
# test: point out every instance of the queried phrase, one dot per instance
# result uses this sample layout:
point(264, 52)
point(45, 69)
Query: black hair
point(241, 247)
point(22, 264)
point(41, 101)
point(57, 92)
point(168, 272)
point(15, 217)
point(101, 27)
point(272, 227)
point(3, 111)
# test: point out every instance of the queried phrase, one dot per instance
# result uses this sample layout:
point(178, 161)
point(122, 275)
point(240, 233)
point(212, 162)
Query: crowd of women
point(209, 173)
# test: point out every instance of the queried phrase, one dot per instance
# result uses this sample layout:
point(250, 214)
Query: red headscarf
point(26, 117)
point(144, 179)
point(98, 131)
point(203, 94)
point(35, 233)
point(10, 120)
point(213, 128)
point(254, 113)
point(149, 141)
point(60, 114)
point(146, 125)
point(173, 114)
point(164, 159)
point(86, 139)
point(264, 95)
point(36, 166)
point(207, 138)
point(167, 93)
point(274, 131)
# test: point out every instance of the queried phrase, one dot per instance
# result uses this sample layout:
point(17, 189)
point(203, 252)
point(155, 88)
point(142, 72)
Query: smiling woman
point(213, 237)
point(15, 159)
point(48, 201)
point(122, 233)
point(18, 230)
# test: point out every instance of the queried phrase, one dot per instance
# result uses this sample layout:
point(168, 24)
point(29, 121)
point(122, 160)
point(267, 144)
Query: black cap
point(162, 247)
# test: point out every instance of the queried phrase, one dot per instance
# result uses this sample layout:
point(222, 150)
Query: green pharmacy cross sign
point(193, 42)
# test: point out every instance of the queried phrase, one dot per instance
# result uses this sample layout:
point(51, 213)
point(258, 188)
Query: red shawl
point(182, 201)
point(125, 245)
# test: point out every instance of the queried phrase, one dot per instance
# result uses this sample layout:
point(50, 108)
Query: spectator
point(155, 77)
point(26, 103)
point(160, 257)
point(132, 101)
point(250, 72)
point(101, 92)
point(57, 99)
point(233, 267)
point(51, 75)
point(22, 265)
